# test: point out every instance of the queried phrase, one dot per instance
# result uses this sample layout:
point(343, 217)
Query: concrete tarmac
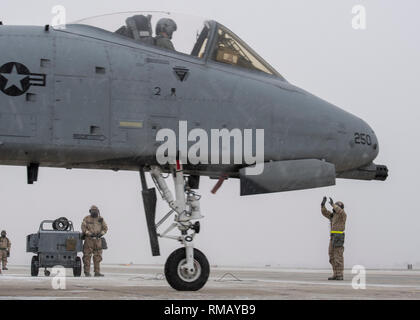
point(148, 282)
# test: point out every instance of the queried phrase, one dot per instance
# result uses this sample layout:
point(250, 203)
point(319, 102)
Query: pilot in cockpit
point(164, 31)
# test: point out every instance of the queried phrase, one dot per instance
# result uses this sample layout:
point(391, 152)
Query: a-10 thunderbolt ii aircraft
point(105, 96)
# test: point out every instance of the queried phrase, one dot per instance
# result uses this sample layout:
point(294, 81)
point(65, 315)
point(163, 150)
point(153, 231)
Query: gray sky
point(372, 73)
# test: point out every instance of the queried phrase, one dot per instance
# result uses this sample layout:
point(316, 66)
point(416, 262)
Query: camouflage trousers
point(92, 246)
point(3, 257)
point(336, 259)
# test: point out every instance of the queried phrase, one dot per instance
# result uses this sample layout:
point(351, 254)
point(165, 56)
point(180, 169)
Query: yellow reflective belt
point(337, 231)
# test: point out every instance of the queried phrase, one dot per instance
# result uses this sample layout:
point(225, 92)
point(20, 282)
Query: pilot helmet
point(340, 204)
point(166, 25)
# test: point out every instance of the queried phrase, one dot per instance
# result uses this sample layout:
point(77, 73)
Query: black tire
point(174, 274)
point(77, 269)
point(61, 224)
point(47, 273)
point(34, 266)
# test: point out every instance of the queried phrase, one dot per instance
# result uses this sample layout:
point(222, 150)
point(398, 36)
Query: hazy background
point(372, 73)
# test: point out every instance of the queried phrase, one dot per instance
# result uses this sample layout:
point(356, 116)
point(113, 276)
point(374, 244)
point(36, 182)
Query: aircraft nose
point(364, 148)
point(368, 142)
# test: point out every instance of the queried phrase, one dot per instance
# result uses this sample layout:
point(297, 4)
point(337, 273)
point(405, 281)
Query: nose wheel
point(187, 268)
point(183, 277)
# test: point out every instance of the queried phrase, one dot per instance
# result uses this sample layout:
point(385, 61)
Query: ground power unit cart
point(56, 244)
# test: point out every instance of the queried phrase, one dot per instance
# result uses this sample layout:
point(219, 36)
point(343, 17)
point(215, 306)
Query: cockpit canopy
point(204, 39)
point(231, 50)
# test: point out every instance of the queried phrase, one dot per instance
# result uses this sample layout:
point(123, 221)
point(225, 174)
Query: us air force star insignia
point(16, 79)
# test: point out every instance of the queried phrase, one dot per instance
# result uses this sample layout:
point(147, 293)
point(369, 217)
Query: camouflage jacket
point(94, 226)
point(5, 243)
point(337, 218)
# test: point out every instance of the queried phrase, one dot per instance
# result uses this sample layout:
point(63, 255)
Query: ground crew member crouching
point(5, 246)
point(336, 248)
point(93, 229)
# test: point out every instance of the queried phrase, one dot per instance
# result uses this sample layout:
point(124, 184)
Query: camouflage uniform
point(91, 228)
point(164, 42)
point(5, 245)
point(338, 223)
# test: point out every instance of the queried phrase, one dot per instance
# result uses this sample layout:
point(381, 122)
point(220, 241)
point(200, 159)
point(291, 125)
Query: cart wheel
point(34, 266)
point(77, 269)
point(47, 273)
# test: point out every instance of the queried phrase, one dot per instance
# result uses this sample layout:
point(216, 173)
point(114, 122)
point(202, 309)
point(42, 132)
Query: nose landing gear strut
point(187, 268)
